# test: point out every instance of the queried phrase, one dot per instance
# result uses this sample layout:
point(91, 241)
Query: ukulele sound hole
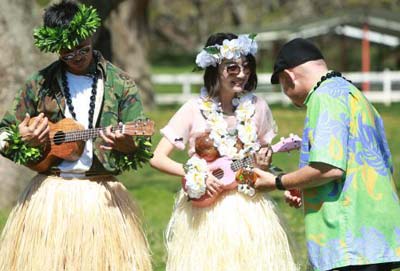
point(219, 173)
point(59, 138)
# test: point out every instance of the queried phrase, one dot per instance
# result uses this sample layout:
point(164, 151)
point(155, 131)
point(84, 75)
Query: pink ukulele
point(225, 169)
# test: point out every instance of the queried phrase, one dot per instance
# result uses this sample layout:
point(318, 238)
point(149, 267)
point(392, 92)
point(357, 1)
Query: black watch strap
point(278, 182)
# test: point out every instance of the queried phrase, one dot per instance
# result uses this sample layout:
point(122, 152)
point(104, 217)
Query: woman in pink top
point(241, 229)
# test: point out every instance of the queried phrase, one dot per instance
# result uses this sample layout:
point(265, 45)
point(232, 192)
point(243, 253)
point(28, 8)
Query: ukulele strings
point(82, 134)
point(77, 134)
point(236, 165)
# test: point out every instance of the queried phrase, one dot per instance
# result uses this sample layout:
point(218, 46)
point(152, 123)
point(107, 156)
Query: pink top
point(188, 123)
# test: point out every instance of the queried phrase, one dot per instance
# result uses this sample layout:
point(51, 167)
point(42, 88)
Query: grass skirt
point(237, 233)
point(74, 224)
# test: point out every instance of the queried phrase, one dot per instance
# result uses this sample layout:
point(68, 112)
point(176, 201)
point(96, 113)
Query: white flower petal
point(3, 142)
point(230, 49)
point(246, 131)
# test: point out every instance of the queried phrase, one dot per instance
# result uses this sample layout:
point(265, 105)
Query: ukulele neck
point(242, 163)
point(84, 135)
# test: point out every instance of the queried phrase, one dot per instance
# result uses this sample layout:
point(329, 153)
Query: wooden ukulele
point(67, 140)
point(226, 170)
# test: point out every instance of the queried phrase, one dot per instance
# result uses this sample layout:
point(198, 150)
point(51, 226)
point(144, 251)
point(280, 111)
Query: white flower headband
point(230, 49)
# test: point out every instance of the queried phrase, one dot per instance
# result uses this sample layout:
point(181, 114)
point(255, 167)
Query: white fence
point(384, 87)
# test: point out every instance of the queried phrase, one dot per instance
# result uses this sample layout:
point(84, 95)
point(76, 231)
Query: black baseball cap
point(294, 53)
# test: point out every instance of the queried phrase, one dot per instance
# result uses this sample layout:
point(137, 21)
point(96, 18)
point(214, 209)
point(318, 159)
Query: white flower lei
point(230, 49)
point(196, 175)
point(246, 130)
point(196, 168)
point(3, 140)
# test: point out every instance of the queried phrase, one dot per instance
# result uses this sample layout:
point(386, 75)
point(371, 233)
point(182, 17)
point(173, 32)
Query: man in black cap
point(291, 57)
point(351, 204)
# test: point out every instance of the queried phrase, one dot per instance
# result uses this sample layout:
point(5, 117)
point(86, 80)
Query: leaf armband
point(17, 150)
point(134, 160)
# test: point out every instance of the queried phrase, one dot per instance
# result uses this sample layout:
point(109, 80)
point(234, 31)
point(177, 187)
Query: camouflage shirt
point(42, 93)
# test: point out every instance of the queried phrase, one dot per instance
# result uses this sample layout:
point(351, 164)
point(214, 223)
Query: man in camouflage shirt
point(81, 85)
point(42, 96)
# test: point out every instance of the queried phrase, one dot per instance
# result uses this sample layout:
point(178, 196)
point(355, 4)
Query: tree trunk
point(237, 10)
point(123, 39)
point(130, 34)
point(19, 58)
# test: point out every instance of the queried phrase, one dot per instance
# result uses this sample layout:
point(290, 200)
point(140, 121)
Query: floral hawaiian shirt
point(354, 220)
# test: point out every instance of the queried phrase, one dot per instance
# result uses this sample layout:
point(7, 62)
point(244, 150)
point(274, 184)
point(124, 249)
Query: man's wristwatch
point(278, 182)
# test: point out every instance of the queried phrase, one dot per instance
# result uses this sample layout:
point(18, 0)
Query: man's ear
point(289, 74)
point(288, 77)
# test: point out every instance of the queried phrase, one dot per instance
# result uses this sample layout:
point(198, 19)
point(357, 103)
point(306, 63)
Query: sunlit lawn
point(155, 191)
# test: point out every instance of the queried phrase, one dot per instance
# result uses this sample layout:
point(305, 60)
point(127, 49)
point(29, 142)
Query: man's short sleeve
point(328, 121)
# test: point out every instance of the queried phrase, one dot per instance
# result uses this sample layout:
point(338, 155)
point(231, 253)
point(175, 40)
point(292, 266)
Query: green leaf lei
point(82, 26)
point(18, 150)
point(136, 159)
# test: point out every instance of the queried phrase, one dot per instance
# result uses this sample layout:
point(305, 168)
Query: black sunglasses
point(81, 52)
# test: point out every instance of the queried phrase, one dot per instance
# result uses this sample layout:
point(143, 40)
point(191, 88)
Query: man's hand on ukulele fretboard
point(115, 140)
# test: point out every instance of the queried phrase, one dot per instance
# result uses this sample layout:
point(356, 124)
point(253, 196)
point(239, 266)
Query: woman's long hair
point(211, 81)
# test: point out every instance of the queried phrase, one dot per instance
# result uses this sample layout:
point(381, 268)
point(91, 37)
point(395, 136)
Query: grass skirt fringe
point(237, 233)
point(74, 224)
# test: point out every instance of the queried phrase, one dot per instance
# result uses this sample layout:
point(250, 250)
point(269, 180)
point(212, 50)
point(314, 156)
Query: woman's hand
point(35, 133)
point(117, 141)
point(214, 186)
point(263, 157)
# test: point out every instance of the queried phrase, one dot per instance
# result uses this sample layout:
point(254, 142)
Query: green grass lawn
point(155, 191)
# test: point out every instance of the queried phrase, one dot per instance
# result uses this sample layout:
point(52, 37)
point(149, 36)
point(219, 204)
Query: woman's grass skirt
point(237, 233)
point(86, 224)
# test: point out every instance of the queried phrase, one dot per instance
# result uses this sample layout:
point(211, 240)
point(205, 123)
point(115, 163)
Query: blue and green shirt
point(354, 220)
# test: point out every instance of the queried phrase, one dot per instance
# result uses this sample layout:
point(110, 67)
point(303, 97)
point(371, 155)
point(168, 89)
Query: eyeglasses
point(81, 52)
point(234, 68)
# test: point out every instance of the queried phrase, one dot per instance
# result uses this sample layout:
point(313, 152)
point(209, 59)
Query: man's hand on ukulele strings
point(34, 131)
point(115, 140)
point(265, 180)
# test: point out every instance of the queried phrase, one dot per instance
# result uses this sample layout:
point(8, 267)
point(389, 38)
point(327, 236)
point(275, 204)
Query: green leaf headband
point(82, 26)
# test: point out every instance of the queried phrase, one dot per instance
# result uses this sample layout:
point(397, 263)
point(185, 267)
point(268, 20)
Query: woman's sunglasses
point(81, 52)
point(234, 68)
